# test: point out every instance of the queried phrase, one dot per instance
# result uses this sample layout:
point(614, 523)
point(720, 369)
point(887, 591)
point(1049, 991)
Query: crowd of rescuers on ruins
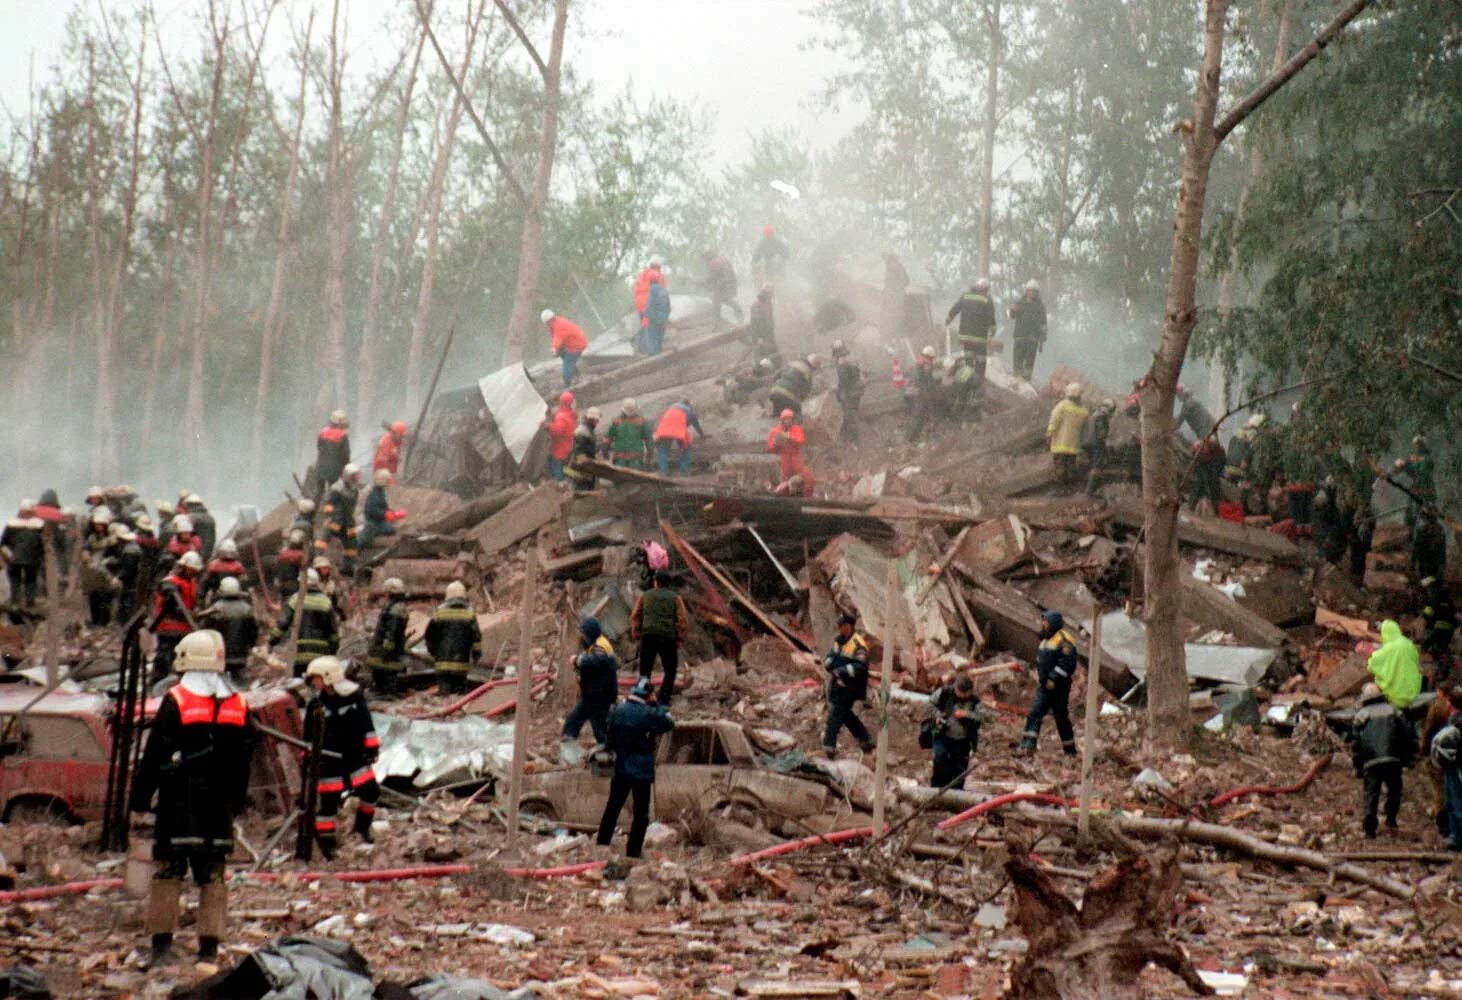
point(200, 596)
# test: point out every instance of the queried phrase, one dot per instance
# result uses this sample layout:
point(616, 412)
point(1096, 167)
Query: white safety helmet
point(545, 316)
point(813, 361)
point(393, 585)
point(229, 587)
point(101, 516)
point(320, 562)
point(656, 262)
point(982, 285)
point(183, 524)
point(95, 491)
point(193, 500)
point(592, 413)
point(351, 471)
point(201, 652)
point(629, 407)
point(116, 529)
point(143, 522)
point(297, 537)
point(305, 506)
point(312, 578)
point(382, 477)
point(328, 668)
point(456, 590)
point(1073, 390)
point(228, 548)
point(1033, 285)
point(929, 352)
point(339, 419)
point(191, 560)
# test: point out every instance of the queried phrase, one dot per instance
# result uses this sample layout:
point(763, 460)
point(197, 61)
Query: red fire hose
point(51, 891)
point(564, 871)
point(1000, 801)
point(492, 713)
point(1299, 786)
point(777, 850)
point(481, 689)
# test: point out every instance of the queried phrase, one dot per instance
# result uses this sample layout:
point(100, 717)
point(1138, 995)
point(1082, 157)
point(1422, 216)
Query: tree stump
point(1098, 951)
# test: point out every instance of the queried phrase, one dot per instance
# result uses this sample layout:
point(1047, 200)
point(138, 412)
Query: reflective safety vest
point(200, 709)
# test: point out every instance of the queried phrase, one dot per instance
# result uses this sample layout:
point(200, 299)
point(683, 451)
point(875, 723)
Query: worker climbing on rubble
point(955, 732)
point(566, 340)
point(786, 440)
point(561, 425)
point(598, 672)
point(1421, 470)
point(1029, 313)
point(172, 611)
point(1055, 668)
point(849, 390)
point(23, 550)
point(749, 384)
point(976, 312)
point(769, 259)
point(196, 763)
point(376, 513)
point(332, 451)
point(1446, 753)
point(920, 396)
point(585, 449)
point(1094, 435)
point(1429, 545)
point(224, 564)
point(203, 523)
point(288, 563)
point(319, 628)
point(634, 726)
point(628, 437)
point(1396, 666)
point(388, 449)
point(231, 615)
point(454, 640)
point(763, 322)
point(1383, 744)
point(650, 275)
point(660, 624)
point(720, 285)
point(1063, 434)
point(350, 746)
point(339, 511)
point(793, 384)
point(673, 432)
point(329, 586)
point(388, 641)
point(847, 669)
point(1439, 625)
point(965, 375)
point(657, 315)
point(1240, 453)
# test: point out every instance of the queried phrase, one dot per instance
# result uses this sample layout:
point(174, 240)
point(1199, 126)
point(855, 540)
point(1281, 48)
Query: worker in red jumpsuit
point(648, 276)
point(388, 449)
point(568, 342)
point(786, 441)
point(561, 427)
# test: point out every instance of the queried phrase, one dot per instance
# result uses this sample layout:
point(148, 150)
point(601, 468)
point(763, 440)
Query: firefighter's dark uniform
point(847, 667)
point(319, 628)
point(976, 312)
point(1055, 668)
point(792, 385)
point(850, 396)
point(339, 511)
point(956, 734)
point(233, 618)
point(350, 746)
point(454, 640)
point(598, 670)
point(388, 643)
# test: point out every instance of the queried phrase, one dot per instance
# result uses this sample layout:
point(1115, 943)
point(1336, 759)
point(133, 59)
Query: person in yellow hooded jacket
point(1063, 433)
point(1396, 666)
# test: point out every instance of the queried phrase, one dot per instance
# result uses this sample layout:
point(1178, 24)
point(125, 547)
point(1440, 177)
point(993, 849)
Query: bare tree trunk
point(530, 250)
point(164, 324)
point(987, 168)
point(338, 180)
point(103, 439)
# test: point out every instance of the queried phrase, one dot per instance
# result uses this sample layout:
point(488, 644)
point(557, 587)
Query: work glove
point(395, 515)
point(1051, 684)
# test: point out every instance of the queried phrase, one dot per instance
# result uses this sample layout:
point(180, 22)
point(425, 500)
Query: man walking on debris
point(388, 642)
point(1429, 546)
point(332, 451)
point(956, 734)
point(660, 624)
point(920, 395)
point(786, 441)
point(561, 426)
point(172, 611)
point(1383, 743)
point(124, 560)
point(203, 523)
point(98, 582)
point(567, 341)
point(628, 439)
point(1055, 668)
point(650, 275)
point(976, 312)
point(231, 615)
point(1063, 434)
point(847, 668)
point(763, 323)
point(674, 431)
point(23, 550)
point(197, 764)
point(721, 286)
point(319, 633)
point(454, 640)
point(1029, 313)
point(1208, 465)
point(350, 746)
point(849, 390)
point(339, 511)
point(598, 672)
point(634, 728)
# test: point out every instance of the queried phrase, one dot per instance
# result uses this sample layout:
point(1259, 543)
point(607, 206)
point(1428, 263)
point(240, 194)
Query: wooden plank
point(573, 563)
point(612, 385)
point(1215, 533)
point(1212, 608)
point(518, 519)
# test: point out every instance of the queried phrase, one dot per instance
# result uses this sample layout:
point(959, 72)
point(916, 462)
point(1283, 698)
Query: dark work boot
point(161, 954)
point(207, 949)
point(363, 823)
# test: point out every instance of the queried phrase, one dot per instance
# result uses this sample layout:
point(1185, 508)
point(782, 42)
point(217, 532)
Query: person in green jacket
point(628, 438)
point(1396, 666)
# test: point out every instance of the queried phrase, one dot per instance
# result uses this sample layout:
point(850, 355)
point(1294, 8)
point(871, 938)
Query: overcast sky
point(742, 59)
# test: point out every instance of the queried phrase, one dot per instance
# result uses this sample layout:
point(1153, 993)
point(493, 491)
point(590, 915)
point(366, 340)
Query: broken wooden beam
point(1212, 608)
point(1214, 533)
point(579, 565)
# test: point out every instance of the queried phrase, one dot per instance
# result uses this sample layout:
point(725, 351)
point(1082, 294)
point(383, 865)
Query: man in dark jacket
point(319, 624)
point(1055, 668)
point(763, 322)
point(1439, 625)
point(1094, 435)
point(203, 523)
point(388, 642)
point(660, 623)
point(231, 615)
point(332, 451)
point(847, 668)
point(339, 511)
point(1429, 546)
point(376, 512)
point(921, 394)
point(598, 671)
point(24, 553)
point(849, 390)
point(956, 731)
point(792, 385)
point(721, 286)
point(454, 639)
point(197, 764)
point(1029, 313)
point(225, 563)
point(1446, 753)
point(976, 312)
point(1383, 745)
point(351, 747)
point(124, 562)
point(634, 728)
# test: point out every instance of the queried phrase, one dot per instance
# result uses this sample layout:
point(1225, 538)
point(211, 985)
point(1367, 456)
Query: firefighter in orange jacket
point(786, 441)
point(568, 342)
point(647, 277)
point(388, 449)
point(561, 427)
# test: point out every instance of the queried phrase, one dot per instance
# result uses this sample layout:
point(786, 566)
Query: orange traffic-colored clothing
point(642, 289)
point(388, 453)
point(568, 336)
point(787, 443)
point(561, 432)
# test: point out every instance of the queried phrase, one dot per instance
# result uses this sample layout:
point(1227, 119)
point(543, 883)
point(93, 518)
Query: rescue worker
point(388, 449)
point(849, 391)
point(1094, 435)
point(660, 623)
point(349, 746)
point(786, 440)
point(763, 322)
point(657, 315)
point(1055, 668)
point(1029, 313)
point(95, 500)
point(288, 563)
point(196, 762)
point(793, 384)
point(1334, 522)
point(1063, 434)
point(976, 312)
point(183, 539)
point(166, 514)
point(97, 581)
point(720, 285)
point(585, 449)
point(920, 396)
point(304, 517)
point(329, 586)
point(1396, 666)
point(1439, 624)
point(1208, 466)
point(566, 340)
point(172, 611)
point(769, 259)
point(628, 438)
point(966, 374)
point(203, 524)
point(231, 615)
point(673, 431)
point(332, 451)
point(891, 304)
point(1421, 469)
point(847, 668)
point(1429, 546)
point(319, 632)
point(225, 564)
point(124, 562)
point(454, 639)
point(750, 384)
point(339, 511)
point(649, 275)
point(598, 672)
point(151, 551)
point(1193, 413)
point(376, 513)
point(1446, 754)
point(561, 426)
point(957, 719)
point(1383, 743)
point(23, 550)
point(388, 641)
point(634, 727)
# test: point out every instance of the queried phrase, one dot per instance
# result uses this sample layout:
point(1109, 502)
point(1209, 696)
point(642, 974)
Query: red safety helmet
point(567, 399)
point(398, 428)
point(768, 231)
point(788, 415)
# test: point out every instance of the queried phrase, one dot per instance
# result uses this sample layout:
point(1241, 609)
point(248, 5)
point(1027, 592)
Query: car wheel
point(39, 812)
